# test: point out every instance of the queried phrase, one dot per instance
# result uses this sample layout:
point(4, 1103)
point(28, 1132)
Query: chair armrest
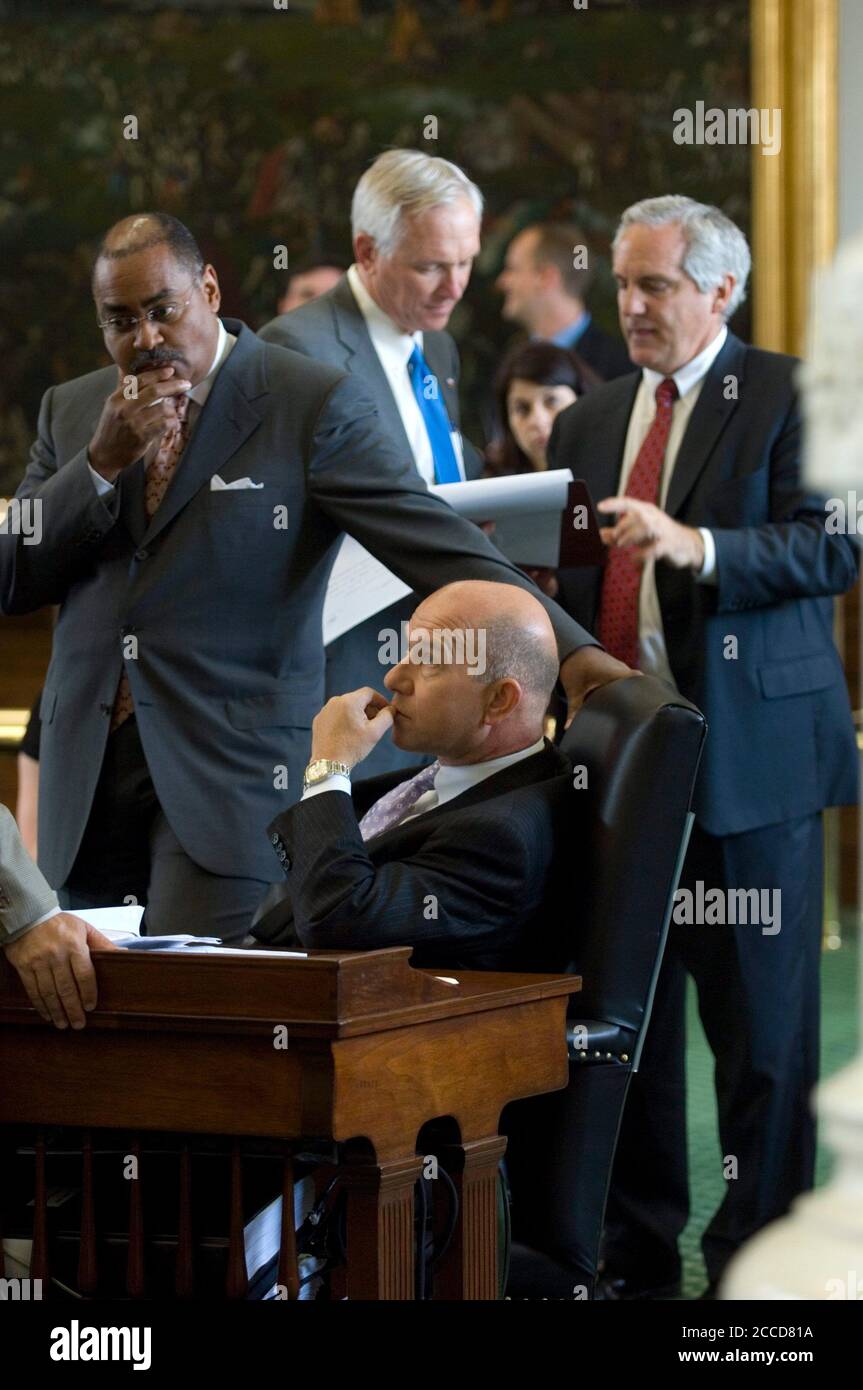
point(594, 1040)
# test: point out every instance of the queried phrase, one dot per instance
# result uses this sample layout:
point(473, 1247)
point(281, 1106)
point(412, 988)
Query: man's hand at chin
point(587, 669)
point(349, 726)
point(54, 963)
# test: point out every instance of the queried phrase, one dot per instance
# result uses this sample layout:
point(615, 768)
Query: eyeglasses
point(171, 311)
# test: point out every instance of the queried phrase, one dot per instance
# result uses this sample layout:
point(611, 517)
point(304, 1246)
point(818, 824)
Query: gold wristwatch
point(319, 769)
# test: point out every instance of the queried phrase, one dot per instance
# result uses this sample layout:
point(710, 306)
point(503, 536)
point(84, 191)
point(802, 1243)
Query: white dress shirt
point(225, 342)
point(653, 655)
point(449, 781)
point(394, 348)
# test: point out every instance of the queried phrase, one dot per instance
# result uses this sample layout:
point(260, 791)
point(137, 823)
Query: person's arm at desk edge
point(49, 949)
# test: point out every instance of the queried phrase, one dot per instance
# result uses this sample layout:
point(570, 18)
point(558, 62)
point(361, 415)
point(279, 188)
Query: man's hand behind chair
point(53, 960)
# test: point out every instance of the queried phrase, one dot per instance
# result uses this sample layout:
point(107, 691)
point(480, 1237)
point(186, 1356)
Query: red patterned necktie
point(159, 472)
point(617, 628)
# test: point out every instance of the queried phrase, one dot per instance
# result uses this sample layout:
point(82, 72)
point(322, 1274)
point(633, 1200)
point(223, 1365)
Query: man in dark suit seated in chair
point(463, 860)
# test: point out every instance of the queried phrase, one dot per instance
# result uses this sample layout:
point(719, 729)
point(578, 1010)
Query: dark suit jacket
point(225, 603)
point(481, 883)
point(780, 741)
point(332, 329)
point(606, 355)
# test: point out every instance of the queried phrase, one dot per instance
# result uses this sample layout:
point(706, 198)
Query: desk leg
point(469, 1269)
point(380, 1234)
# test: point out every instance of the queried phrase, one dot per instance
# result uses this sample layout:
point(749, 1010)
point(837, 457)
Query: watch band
point(319, 769)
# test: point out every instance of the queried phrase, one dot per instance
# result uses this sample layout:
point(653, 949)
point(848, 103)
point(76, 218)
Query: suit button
point(142, 554)
point(275, 840)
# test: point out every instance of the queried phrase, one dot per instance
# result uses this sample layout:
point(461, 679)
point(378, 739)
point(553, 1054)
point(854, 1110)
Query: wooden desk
point(375, 1050)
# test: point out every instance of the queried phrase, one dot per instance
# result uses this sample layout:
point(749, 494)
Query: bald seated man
point(462, 859)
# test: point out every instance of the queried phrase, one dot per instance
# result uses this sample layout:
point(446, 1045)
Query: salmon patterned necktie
point(160, 470)
point(617, 628)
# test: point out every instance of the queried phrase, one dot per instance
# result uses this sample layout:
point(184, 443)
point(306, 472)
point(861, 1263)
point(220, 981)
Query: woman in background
point(534, 383)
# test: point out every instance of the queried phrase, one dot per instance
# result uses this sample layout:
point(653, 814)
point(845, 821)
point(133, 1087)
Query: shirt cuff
point(337, 783)
point(22, 931)
point(707, 573)
point(46, 917)
point(101, 484)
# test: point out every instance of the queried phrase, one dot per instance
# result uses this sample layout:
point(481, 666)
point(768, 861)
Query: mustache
point(146, 361)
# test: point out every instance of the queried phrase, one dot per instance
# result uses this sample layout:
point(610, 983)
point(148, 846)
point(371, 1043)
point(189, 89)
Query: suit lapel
point(708, 419)
point(363, 362)
point(540, 766)
point(435, 352)
point(224, 424)
point(603, 474)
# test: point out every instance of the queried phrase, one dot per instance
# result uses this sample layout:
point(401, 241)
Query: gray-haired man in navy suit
point(720, 579)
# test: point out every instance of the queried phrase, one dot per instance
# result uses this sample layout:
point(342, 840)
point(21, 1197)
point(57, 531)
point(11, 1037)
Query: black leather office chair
point(640, 745)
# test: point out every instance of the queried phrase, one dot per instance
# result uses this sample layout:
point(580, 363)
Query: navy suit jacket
point(483, 882)
point(780, 738)
point(222, 592)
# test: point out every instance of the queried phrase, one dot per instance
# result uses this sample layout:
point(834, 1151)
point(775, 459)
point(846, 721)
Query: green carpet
point(839, 977)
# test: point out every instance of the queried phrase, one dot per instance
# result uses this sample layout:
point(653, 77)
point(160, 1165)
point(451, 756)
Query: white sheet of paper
point(359, 586)
point(113, 922)
point(526, 508)
point(520, 494)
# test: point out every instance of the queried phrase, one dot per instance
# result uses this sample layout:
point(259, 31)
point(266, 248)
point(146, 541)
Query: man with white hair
point(720, 579)
point(415, 222)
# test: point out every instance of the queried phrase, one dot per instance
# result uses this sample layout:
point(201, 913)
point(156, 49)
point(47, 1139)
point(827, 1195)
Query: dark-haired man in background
point(545, 289)
point(190, 500)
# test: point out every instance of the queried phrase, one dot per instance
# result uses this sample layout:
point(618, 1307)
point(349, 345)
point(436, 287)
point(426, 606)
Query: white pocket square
point(218, 484)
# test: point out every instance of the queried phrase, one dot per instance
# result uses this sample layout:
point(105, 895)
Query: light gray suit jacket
point(223, 601)
point(332, 329)
point(24, 894)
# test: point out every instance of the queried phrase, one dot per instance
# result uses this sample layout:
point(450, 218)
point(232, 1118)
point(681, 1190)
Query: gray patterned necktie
point(394, 805)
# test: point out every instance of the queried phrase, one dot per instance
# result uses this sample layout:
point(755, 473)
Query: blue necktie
point(435, 418)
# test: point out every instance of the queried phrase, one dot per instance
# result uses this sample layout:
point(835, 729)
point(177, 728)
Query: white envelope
point(218, 484)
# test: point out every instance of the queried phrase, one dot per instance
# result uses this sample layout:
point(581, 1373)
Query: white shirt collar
point(225, 342)
point(692, 372)
point(386, 333)
point(449, 781)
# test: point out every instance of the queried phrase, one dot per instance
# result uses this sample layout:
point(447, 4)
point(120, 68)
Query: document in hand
point(531, 512)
